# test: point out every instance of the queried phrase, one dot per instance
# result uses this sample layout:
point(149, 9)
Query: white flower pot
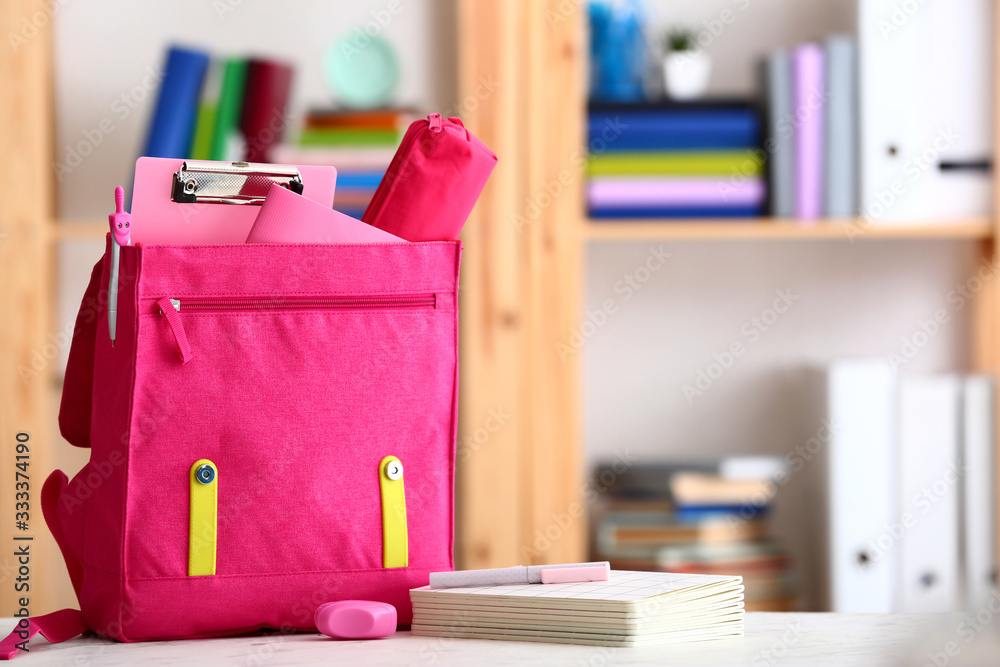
point(686, 74)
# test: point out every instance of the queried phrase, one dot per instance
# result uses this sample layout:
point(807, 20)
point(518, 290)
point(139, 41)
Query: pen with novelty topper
point(121, 223)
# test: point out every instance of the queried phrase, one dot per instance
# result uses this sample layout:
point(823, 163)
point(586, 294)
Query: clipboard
point(206, 202)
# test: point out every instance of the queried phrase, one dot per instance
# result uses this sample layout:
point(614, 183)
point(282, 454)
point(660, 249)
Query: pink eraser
point(356, 619)
point(576, 575)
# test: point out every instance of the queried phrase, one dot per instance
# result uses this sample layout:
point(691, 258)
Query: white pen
point(121, 223)
point(568, 573)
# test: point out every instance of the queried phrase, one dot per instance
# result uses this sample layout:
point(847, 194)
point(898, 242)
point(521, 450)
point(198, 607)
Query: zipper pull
point(170, 311)
point(435, 121)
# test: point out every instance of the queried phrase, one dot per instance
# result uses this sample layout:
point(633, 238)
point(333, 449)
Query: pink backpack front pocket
point(291, 376)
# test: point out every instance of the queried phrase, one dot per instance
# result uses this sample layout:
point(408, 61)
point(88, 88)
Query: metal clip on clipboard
point(206, 182)
point(203, 202)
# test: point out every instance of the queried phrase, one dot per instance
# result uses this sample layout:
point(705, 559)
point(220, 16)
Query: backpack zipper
point(171, 309)
point(335, 302)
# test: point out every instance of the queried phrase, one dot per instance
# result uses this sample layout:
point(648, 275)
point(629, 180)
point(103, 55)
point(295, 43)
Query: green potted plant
point(686, 68)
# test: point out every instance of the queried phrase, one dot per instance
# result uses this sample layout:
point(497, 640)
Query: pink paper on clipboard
point(197, 202)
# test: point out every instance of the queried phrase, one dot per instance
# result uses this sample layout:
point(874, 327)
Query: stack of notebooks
point(359, 143)
point(813, 130)
point(675, 160)
point(702, 519)
point(631, 609)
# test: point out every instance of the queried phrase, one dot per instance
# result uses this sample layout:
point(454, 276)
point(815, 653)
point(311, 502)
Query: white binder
point(926, 100)
point(930, 481)
point(861, 400)
point(979, 497)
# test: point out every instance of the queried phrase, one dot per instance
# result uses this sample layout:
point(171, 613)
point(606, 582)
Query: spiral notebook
point(630, 609)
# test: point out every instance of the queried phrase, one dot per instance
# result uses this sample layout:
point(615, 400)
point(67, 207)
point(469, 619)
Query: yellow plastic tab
point(395, 545)
point(204, 518)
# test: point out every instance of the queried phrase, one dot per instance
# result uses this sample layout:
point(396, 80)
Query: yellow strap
point(395, 548)
point(204, 518)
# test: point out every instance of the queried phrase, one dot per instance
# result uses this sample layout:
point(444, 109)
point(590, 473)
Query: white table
point(771, 640)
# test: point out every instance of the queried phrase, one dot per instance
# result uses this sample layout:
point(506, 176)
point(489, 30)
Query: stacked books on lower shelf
point(359, 143)
point(701, 522)
point(690, 160)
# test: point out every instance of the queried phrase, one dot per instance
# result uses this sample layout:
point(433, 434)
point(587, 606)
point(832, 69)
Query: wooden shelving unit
point(504, 286)
point(520, 462)
point(780, 229)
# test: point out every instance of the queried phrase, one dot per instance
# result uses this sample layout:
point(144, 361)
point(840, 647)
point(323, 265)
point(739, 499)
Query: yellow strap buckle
point(395, 548)
point(204, 518)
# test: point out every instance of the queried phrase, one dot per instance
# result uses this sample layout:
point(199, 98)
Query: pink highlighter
point(356, 619)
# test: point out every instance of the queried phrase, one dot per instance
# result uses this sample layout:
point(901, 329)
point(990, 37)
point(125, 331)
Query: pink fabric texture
point(74, 409)
point(295, 406)
point(56, 627)
point(432, 182)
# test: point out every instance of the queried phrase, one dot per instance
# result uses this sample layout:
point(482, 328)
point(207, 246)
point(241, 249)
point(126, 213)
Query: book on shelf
point(620, 530)
point(840, 169)
point(809, 97)
point(716, 522)
point(811, 93)
point(701, 490)
point(698, 159)
point(360, 143)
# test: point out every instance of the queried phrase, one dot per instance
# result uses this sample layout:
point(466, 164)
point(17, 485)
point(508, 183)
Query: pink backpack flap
point(273, 429)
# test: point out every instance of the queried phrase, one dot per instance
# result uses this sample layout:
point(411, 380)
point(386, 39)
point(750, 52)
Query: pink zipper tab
point(435, 121)
point(177, 327)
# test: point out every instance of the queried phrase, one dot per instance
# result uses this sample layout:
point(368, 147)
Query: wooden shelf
point(780, 229)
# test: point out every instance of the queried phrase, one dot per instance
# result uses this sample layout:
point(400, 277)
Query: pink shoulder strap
point(56, 627)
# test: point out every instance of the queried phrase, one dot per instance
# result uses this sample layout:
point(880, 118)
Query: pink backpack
point(316, 385)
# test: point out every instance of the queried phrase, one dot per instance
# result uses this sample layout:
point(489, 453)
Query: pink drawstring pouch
point(433, 181)
point(274, 429)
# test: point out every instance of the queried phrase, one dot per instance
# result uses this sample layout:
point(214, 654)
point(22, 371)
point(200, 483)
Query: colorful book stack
point(229, 109)
point(715, 524)
point(360, 144)
point(690, 160)
point(813, 130)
